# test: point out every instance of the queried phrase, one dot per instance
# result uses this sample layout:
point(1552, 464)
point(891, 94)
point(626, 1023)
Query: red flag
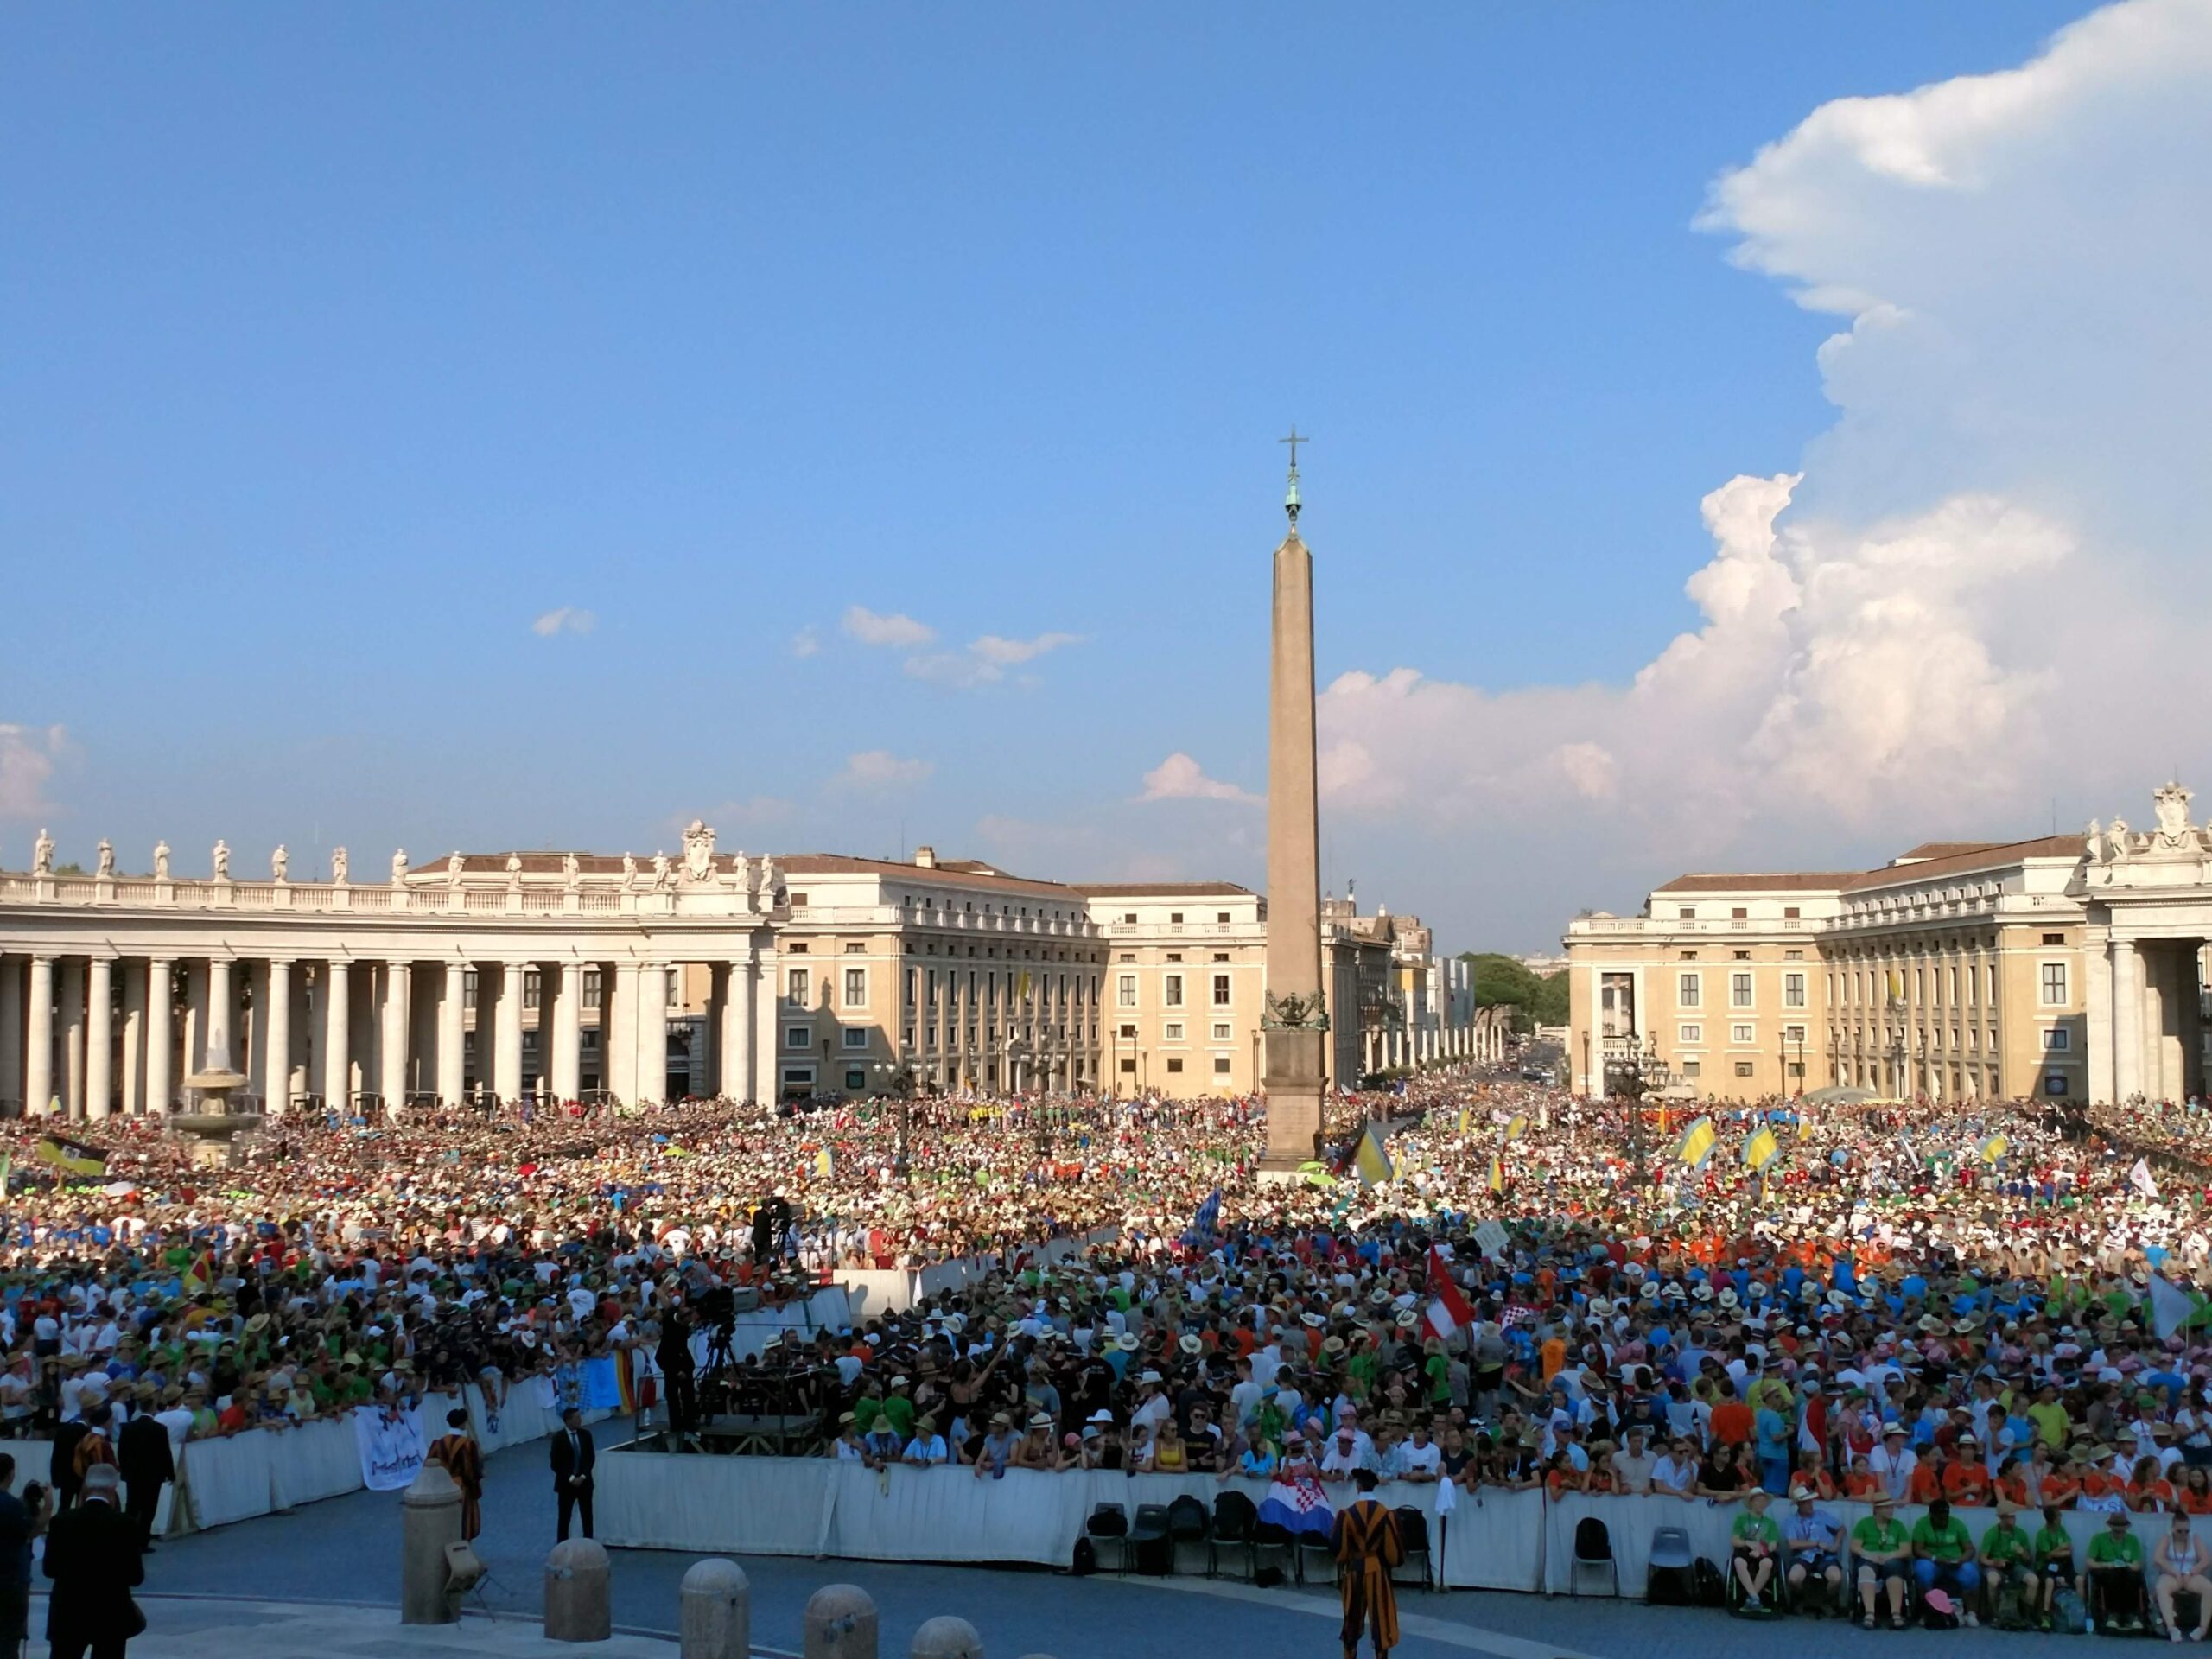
point(1450, 1310)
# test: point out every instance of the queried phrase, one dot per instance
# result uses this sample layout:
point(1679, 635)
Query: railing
point(535, 899)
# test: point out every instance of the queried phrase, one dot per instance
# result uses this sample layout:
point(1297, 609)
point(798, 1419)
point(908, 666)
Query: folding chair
point(1148, 1543)
point(1669, 1568)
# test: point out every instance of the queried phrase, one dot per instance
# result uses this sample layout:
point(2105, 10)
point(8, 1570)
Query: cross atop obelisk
point(1294, 1019)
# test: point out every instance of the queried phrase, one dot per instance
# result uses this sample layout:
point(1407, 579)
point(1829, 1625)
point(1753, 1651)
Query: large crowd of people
point(1989, 1305)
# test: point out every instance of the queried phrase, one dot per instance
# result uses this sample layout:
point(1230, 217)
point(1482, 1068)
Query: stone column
point(217, 1035)
point(618, 1025)
point(134, 1037)
point(195, 1014)
point(740, 1046)
point(73, 1036)
point(652, 1032)
point(393, 1081)
point(2127, 1019)
point(2096, 970)
point(2177, 998)
point(2150, 1028)
point(1293, 1057)
point(38, 1051)
point(11, 1027)
point(275, 1037)
point(564, 983)
point(337, 1044)
point(99, 1037)
point(161, 1036)
point(453, 1031)
point(507, 1027)
point(254, 1039)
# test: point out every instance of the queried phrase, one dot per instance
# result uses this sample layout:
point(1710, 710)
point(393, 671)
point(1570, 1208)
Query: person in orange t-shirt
point(1732, 1422)
point(2098, 1480)
point(1861, 1481)
point(1926, 1485)
point(1966, 1481)
point(2149, 1491)
point(2064, 1484)
point(1552, 1357)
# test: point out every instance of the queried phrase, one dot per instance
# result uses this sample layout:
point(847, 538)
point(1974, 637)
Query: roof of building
point(1974, 855)
point(1944, 849)
point(1791, 881)
point(964, 872)
point(1162, 889)
point(537, 863)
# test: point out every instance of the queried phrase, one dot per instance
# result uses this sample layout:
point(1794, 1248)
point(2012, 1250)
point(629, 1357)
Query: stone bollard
point(578, 1601)
point(947, 1637)
point(716, 1616)
point(429, 1519)
point(839, 1623)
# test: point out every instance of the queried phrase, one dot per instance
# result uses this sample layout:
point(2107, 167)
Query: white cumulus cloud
point(806, 643)
point(872, 628)
point(984, 661)
point(1986, 585)
point(27, 758)
point(1179, 778)
point(1005, 653)
point(566, 619)
point(880, 769)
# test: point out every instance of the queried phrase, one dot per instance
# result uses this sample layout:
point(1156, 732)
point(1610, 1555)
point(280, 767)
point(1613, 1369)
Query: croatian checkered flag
point(1207, 1222)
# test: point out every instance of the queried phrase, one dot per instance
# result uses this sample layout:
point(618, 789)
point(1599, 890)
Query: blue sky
point(339, 347)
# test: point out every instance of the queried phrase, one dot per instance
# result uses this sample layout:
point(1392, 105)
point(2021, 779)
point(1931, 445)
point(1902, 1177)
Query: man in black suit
point(143, 1453)
point(573, 1457)
point(92, 1557)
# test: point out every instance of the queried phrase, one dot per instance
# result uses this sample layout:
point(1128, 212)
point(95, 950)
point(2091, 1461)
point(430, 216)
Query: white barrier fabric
point(316, 1460)
point(1493, 1540)
point(229, 1480)
point(822, 1506)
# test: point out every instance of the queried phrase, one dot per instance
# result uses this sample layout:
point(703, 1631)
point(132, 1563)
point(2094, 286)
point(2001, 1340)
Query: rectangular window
point(1221, 990)
point(1171, 990)
point(1128, 1033)
point(1692, 1035)
point(2057, 1039)
point(1221, 1066)
point(1692, 1067)
point(856, 988)
point(468, 989)
point(1973, 986)
point(855, 1037)
point(1739, 914)
point(855, 1078)
point(671, 981)
point(1175, 1065)
point(908, 1042)
point(1739, 1034)
point(795, 986)
point(1128, 1065)
point(798, 1036)
point(1793, 990)
point(1688, 990)
point(2054, 984)
point(1793, 1034)
point(1739, 990)
point(2054, 938)
point(1793, 956)
point(1128, 991)
point(913, 979)
point(1171, 1032)
point(532, 988)
point(1685, 914)
point(1792, 913)
point(1743, 1068)
point(1955, 988)
point(591, 987)
point(1175, 917)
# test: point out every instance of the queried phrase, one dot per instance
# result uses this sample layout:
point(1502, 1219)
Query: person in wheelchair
point(1810, 1536)
point(1943, 1557)
point(1755, 1549)
point(2007, 1562)
point(1885, 1551)
point(2116, 1576)
point(2053, 1557)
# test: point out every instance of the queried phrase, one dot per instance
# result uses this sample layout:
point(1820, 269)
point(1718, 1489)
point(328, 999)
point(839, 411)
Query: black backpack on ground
point(1708, 1588)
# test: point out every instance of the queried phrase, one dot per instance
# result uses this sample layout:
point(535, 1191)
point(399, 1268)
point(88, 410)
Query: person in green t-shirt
point(2007, 1558)
point(1944, 1558)
point(1885, 1551)
point(1754, 1547)
point(2116, 1575)
point(2053, 1563)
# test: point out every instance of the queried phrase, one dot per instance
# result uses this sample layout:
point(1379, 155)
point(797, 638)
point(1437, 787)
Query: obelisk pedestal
point(1294, 1021)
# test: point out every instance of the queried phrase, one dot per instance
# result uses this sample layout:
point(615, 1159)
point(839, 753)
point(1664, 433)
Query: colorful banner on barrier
point(391, 1443)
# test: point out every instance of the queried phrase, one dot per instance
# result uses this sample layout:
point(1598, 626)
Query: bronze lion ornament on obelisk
point(1294, 1021)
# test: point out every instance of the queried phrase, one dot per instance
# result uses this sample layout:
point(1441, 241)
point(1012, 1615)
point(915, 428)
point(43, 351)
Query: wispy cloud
point(807, 642)
point(566, 619)
point(27, 758)
point(880, 769)
point(984, 661)
point(1179, 778)
point(872, 628)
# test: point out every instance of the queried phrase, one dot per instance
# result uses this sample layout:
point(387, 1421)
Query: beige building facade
point(570, 975)
point(2064, 967)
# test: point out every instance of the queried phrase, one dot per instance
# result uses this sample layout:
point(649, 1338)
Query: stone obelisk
point(1294, 1021)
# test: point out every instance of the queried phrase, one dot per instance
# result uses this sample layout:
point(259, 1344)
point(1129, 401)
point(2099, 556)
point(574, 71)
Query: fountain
point(213, 1130)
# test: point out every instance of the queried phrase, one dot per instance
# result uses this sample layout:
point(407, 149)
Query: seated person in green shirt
point(2116, 1575)
point(1756, 1546)
point(1942, 1557)
point(2053, 1563)
point(1885, 1551)
point(2007, 1558)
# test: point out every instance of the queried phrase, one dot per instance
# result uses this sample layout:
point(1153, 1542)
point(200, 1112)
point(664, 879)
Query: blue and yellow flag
point(1994, 1148)
point(1496, 1174)
point(1697, 1142)
point(1466, 1117)
point(824, 1163)
point(1762, 1149)
point(1516, 1126)
point(1372, 1162)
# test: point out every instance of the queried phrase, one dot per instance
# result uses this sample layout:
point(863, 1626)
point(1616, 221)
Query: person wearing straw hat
point(2116, 1574)
point(1885, 1551)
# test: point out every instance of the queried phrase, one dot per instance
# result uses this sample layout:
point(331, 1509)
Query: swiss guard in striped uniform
point(463, 1460)
point(1367, 1546)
